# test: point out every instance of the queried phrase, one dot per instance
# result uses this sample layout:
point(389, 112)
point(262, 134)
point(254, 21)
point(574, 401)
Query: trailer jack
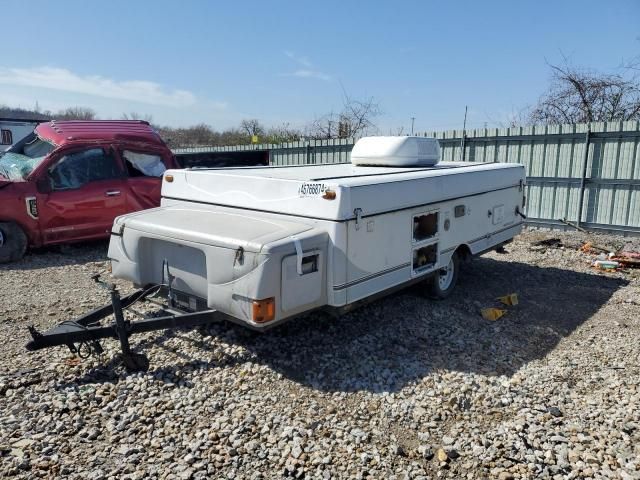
point(82, 334)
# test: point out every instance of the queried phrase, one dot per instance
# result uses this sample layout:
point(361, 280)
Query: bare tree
point(578, 95)
point(355, 119)
point(515, 118)
point(252, 126)
point(71, 113)
point(325, 126)
point(21, 113)
point(137, 116)
point(202, 135)
point(197, 135)
point(283, 133)
point(75, 113)
point(234, 136)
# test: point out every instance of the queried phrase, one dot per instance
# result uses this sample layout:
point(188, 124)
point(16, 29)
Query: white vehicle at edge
point(13, 130)
point(264, 244)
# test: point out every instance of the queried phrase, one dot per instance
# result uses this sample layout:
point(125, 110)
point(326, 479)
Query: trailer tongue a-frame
point(82, 334)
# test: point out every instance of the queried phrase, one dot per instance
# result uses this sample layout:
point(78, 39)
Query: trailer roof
point(299, 190)
point(346, 174)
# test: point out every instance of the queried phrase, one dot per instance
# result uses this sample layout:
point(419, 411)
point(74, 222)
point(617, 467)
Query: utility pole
point(412, 120)
point(464, 128)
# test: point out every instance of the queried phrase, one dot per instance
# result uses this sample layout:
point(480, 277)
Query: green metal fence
point(586, 174)
point(304, 152)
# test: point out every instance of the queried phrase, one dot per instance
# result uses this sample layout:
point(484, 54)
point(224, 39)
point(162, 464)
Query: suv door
point(87, 193)
point(144, 168)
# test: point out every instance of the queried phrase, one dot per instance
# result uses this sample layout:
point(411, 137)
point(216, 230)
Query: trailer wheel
point(13, 242)
point(444, 281)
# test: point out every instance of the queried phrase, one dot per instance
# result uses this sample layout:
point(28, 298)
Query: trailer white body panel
point(312, 236)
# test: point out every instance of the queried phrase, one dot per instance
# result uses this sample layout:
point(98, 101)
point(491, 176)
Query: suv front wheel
point(13, 242)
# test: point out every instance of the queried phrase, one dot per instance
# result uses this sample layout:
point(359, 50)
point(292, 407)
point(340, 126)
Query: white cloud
point(304, 61)
point(307, 70)
point(64, 80)
point(214, 104)
point(311, 74)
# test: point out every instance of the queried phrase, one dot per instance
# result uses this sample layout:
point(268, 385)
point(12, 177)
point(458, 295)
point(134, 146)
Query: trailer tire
point(442, 284)
point(13, 242)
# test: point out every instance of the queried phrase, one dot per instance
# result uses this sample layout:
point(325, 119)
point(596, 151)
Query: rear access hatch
point(197, 249)
point(216, 228)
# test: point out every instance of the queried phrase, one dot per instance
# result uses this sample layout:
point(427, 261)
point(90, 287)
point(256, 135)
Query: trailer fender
point(464, 253)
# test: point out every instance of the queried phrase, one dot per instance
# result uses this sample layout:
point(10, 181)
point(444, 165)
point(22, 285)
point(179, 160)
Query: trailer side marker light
point(264, 310)
point(168, 178)
point(329, 195)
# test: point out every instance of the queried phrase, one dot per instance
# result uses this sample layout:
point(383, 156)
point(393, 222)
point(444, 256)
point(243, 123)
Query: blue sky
point(283, 61)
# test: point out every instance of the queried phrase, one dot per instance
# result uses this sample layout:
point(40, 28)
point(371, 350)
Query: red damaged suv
point(67, 181)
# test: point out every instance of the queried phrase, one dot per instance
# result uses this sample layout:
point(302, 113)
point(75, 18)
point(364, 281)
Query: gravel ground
point(402, 388)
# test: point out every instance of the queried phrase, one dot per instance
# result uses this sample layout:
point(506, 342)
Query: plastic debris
point(511, 299)
point(492, 314)
point(606, 264)
point(627, 259)
point(608, 260)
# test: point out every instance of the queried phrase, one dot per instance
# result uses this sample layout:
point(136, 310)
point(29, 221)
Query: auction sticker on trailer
point(312, 189)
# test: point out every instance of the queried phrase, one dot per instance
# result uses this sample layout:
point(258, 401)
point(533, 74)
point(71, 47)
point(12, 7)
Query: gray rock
point(555, 411)
point(369, 395)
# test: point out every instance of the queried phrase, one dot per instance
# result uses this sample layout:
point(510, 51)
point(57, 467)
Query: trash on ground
point(511, 299)
point(589, 247)
point(571, 224)
point(492, 314)
point(549, 243)
point(627, 259)
point(606, 264)
point(611, 260)
point(72, 361)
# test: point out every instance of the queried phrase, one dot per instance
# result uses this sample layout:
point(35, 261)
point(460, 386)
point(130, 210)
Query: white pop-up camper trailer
point(264, 244)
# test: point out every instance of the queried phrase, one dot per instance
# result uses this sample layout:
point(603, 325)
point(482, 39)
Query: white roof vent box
point(396, 151)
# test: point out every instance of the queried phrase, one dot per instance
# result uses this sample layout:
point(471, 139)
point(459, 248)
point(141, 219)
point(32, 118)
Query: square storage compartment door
point(301, 290)
point(425, 258)
point(425, 226)
point(497, 215)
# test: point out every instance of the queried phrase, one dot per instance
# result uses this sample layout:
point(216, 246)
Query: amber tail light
point(264, 310)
